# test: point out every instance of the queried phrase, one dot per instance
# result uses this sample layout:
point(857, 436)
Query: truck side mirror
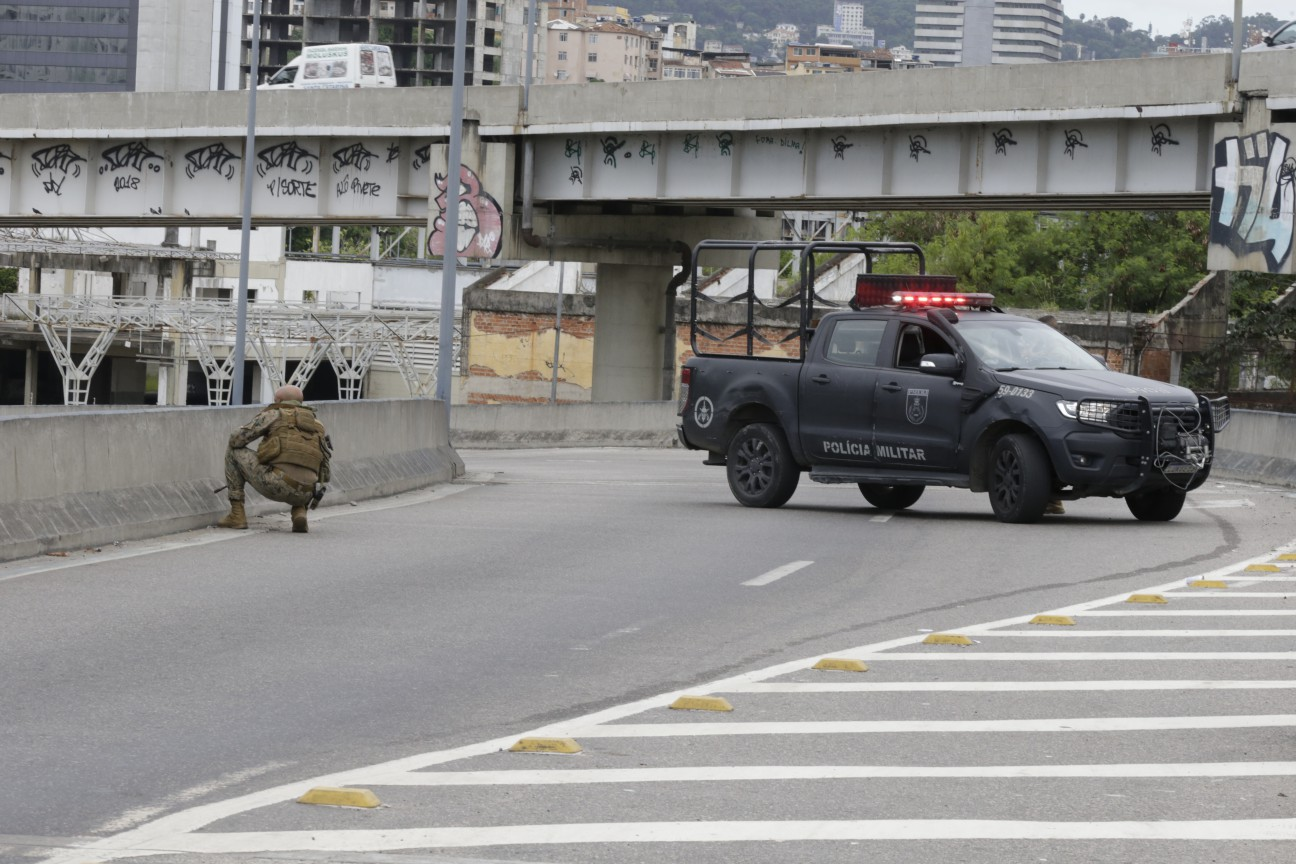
point(946, 365)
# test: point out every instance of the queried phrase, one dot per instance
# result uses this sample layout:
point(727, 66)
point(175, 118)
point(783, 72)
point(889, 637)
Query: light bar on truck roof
point(882, 289)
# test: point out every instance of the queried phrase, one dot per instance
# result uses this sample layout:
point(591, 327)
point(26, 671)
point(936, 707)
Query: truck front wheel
point(1159, 505)
point(1020, 479)
point(760, 467)
point(891, 497)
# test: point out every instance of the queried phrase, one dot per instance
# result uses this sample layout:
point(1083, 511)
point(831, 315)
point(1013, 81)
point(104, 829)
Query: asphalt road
point(179, 695)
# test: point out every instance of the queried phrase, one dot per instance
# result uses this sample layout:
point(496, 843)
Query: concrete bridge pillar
point(631, 305)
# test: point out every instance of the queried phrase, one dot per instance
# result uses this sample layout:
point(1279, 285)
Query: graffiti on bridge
point(1252, 197)
point(480, 221)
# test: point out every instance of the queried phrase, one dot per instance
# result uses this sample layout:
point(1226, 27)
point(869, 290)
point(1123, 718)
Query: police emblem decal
point(703, 412)
point(916, 406)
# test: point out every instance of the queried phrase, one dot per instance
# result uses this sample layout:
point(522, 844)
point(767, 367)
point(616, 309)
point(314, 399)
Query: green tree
point(8, 280)
point(1146, 261)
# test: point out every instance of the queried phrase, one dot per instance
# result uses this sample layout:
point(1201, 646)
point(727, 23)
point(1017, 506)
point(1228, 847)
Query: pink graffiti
point(479, 218)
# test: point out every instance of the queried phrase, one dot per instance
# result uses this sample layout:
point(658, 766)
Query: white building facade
point(986, 32)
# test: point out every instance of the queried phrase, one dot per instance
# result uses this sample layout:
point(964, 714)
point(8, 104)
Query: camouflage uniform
point(293, 455)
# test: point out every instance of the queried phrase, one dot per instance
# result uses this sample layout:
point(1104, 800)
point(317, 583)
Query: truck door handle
point(892, 387)
point(821, 379)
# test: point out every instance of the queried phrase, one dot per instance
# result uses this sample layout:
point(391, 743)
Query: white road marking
point(1126, 634)
point(777, 573)
point(131, 818)
point(1032, 656)
point(172, 832)
point(1183, 613)
point(204, 536)
point(1003, 686)
point(1224, 503)
point(1252, 830)
point(1222, 594)
point(867, 727)
point(1251, 577)
point(721, 773)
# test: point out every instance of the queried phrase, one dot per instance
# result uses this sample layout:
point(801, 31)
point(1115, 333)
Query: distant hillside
point(893, 23)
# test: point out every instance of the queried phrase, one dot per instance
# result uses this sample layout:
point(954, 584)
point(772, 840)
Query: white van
point(336, 67)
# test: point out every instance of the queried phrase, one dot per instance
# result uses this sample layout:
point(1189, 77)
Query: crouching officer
point(289, 463)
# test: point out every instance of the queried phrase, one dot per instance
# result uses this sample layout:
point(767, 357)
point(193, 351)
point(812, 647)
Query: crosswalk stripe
point(862, 727)
point(1002, 686)
point(717, 773)
point(375, 840)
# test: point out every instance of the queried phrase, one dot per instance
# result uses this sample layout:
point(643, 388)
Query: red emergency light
point(883, 289)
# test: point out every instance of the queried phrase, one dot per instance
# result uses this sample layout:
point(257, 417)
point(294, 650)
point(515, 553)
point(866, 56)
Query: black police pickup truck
point(917, 385)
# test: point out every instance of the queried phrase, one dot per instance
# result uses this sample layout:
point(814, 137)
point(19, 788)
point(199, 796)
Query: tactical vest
point(295, 437)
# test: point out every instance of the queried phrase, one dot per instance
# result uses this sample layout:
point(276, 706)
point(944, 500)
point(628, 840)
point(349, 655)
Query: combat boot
point(236, 518)
point(299, 519)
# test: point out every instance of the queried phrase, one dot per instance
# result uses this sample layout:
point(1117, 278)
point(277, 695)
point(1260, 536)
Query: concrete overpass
point(630, 175)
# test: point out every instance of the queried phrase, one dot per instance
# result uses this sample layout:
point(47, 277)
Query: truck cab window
point(915, 341)
point(856, 343)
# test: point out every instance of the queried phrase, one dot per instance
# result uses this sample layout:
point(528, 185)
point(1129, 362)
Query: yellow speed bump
point(546, 745)
point(337, 796)
point(1056, 620)
point(947, 639)
point(1146, 598)
point(841, 664)
point(1287, 556)
point(701, 703)
point(1263, 568)
point(1208, 583)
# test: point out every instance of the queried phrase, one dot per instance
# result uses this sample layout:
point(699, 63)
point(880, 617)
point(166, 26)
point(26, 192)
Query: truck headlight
point(1068, 409)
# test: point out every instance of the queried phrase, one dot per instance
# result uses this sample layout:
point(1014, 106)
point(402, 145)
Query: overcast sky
point(1167, 16)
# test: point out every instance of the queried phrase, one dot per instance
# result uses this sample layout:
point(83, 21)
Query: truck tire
point(1158, 505)
point(760, 468)
point(891, 497)
point(1020, 479)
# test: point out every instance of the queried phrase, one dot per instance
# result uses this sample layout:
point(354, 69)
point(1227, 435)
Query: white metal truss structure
point(349, 339)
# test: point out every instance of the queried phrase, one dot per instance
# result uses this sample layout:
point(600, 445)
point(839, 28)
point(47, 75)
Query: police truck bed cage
point(805, 299)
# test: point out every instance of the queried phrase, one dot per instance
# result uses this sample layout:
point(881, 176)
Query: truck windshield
point(1005, 345)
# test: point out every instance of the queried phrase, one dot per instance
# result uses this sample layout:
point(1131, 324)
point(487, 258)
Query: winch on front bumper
point(1162, 444)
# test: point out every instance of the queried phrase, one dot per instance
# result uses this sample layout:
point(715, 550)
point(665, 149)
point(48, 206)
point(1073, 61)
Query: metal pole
point(1237, 40)
point(249, 153)
point(445, 335)
point(553, 382)
point(530, 56)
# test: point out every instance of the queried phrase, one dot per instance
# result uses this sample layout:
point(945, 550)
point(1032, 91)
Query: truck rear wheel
point(1158, 505)
point(891, 497)
point(1020, 479)
point(760, 468)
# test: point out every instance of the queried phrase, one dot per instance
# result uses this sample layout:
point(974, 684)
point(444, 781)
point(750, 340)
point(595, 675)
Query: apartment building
point(419, 32)
point(600, 51)
point(985, 32)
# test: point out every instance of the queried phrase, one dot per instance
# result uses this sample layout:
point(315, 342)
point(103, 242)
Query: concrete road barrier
point(84, 477)
point(1258, 446)
point(582, 424)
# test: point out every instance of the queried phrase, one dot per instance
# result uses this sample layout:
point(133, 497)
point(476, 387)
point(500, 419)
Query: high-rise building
point(848, 17)
point(112, 45)
point(419, 32)
point(985, 32)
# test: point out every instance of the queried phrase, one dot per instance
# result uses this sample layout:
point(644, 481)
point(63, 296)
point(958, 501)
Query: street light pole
point(249, 152)
point(445, 333)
